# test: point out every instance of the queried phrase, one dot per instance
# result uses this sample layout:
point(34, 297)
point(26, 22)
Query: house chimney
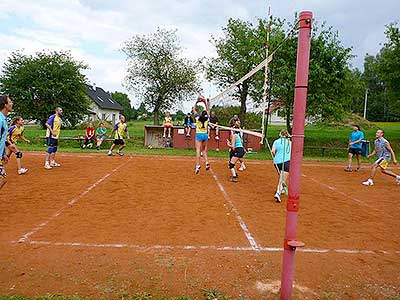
point(94, 86)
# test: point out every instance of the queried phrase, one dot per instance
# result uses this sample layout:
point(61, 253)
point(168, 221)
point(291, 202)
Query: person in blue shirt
point(281, 149)
point(355, 147)
point(188, 124)
point(5, 107)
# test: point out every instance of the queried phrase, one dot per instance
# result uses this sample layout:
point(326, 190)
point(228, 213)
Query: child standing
point(237, 151)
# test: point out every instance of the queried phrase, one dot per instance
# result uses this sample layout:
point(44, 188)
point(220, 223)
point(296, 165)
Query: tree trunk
point(155, 116)
point(243, 109)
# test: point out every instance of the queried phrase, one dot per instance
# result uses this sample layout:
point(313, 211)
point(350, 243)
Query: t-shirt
point(238, 140)
point(214, 119)
point(200, 126)
point(3, 133)
point(188, 121)
point(355, 136)
point(120, 129)
point(167, 120)
point(15, 132)
point(380, 148)
point(101, 132)
point(55, 123)
point(283, 147)
point(89, 131)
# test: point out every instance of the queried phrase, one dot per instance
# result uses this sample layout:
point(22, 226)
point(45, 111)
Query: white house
point(102, 105)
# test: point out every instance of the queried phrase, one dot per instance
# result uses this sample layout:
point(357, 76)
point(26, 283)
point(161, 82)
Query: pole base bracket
point(295, 244)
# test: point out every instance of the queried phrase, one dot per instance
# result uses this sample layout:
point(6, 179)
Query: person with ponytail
point(15, 132)
point(201, 132)
point(281, 149)
point(235, 144)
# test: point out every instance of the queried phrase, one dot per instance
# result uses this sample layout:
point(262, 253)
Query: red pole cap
point(305, 19)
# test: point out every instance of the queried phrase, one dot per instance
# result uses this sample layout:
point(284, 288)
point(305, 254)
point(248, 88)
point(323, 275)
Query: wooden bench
point(79, 139)
point(323, 148)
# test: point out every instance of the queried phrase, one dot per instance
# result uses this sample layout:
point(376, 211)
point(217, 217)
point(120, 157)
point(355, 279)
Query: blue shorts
point(201, 137)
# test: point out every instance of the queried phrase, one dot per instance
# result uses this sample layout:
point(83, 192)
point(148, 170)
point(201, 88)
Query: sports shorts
point(168, 125)
point(286, 166)
point(119, 142)
point(237, 152)
point(3, 173)
point(382, 163)
point(51, 142)
point(201, 136)
point(355, 151)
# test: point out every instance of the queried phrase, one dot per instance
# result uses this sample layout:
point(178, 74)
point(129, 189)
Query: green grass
point(314, 136)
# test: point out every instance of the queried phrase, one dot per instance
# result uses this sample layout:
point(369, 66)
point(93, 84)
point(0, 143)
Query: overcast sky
point(94, 30)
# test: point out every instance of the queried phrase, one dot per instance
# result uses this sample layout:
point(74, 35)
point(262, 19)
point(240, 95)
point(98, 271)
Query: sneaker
point(277, 197)
point(207, 166)
point(22, 171)
point(54, 164)
point(398, 180)
point(47, 166)
point(234, 179)
point(169, 136)
point(242, 167)
point(284, 188)
point(368, 182)
point(110, 153)
point(90, 145)
point(348, 169)
point(163, 136)
point(217, 138)
point(358, 169)
point(97, 147)
point(83, 146)
point(197, 169)
point(120, 153)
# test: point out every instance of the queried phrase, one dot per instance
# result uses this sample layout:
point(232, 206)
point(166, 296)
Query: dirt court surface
point(103, 226)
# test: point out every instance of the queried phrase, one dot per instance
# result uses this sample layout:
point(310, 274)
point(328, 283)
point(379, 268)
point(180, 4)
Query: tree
point(242, 48)
point(157, 73)
point(39, 83)
point(123, 99)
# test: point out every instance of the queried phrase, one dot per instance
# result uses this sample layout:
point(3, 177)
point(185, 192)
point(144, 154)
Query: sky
point(95, 30)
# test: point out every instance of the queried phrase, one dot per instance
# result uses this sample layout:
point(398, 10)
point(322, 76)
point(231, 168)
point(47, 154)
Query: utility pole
point(365, 103)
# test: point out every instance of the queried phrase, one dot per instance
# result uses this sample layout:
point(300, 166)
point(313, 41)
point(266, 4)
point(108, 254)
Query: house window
point(111, 100)
point(100, 99)
point(103, 116)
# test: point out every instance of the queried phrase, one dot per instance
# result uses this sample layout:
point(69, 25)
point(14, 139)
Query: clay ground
point(108, 226)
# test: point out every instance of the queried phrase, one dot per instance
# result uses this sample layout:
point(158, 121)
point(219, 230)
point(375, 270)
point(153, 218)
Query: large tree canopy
point(157, 73)
point(242, 48)
point(123, 99)
point(41, 82)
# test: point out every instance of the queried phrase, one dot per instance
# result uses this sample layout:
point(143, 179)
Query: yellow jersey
point(55, 123)
point(15, 132)
point(200, 126)
point(120, 129)
point(168, 120)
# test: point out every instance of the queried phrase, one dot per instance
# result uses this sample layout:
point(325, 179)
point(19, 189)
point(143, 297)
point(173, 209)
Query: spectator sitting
point(167, 124)
point(101, 134)
point(89, 137)
point(188, 124)
point(213, 120)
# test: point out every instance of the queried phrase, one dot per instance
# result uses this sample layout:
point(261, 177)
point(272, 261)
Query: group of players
point(280, 151)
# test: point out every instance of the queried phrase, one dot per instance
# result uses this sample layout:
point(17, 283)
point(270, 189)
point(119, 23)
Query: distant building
point(102, 105)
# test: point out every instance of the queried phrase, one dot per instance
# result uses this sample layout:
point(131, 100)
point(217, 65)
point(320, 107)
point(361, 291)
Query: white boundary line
point(26, 236)
point(242, 224)
point(215, 248)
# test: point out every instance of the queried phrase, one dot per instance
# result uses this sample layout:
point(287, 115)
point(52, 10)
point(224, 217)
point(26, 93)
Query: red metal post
point(300, 97)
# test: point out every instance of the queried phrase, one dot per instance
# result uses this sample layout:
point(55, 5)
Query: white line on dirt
point(215, 248)
point(242, 224)
point(26, 236)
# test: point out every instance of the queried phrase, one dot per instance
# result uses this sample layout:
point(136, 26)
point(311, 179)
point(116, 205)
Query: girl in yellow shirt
point(15, 132)
point(201, 132)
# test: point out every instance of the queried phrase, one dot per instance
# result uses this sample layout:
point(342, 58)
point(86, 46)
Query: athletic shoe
point(83, 146)
point(90, 145)
point(358, 169)
point(242, 167)
point(277, 197)
point(348, 169)
point(54, 164)
point(47, 166)
point(398, 180)
point(120, 153)
point(207, 166)
point(284, 188)
point(169, 136)
point(110, 153)
point(22, 171)
point(163, 136)
point(217, 138)
point(197, 169)
point(368, 182)
point(97, 147)
point(234, 179)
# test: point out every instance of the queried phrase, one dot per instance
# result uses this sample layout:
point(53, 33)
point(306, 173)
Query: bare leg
point(233, 161)
point(390, 173)
point(359, 160)
point(205, 151)
point(373, 171)
point(198, 150)
point(350, 159)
